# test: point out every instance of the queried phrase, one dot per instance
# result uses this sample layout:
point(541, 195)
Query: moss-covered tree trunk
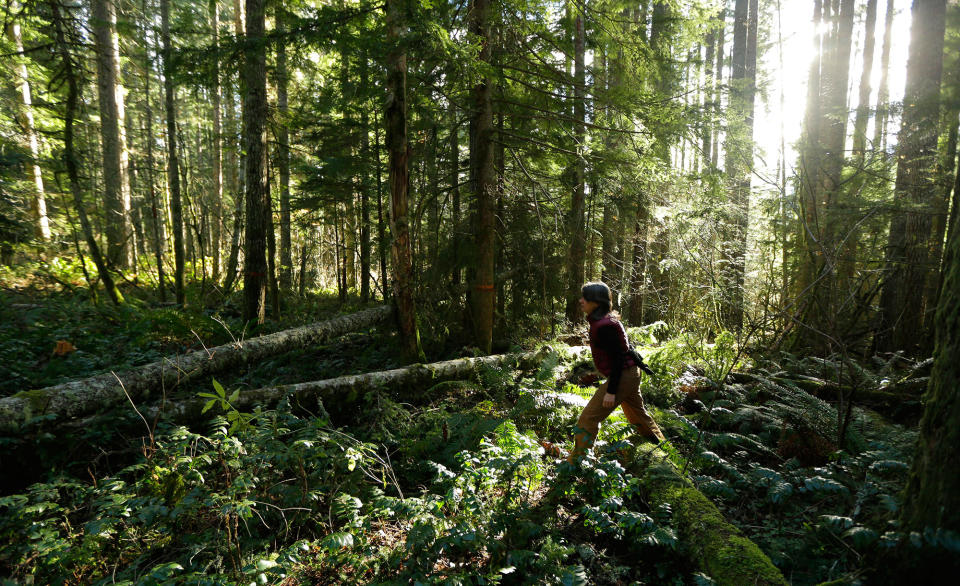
point(932, 497)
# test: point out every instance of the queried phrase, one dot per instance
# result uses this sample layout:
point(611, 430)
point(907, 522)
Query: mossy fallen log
point(718, 548)
point(899, 401)
point(404, 382)
point(84, 397)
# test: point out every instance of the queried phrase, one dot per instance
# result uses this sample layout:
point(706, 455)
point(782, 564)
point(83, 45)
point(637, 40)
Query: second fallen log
point(84, 397)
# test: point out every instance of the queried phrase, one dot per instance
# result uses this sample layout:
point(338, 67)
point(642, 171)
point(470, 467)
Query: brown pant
point(628, 397)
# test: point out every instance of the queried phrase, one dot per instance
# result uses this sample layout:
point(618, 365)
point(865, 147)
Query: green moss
point(37, 401)
point(716, 546)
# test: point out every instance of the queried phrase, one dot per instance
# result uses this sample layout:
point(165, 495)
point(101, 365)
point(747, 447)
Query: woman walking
point(614, 359)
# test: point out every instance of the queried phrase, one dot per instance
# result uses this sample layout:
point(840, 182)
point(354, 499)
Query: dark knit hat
point(598, 293)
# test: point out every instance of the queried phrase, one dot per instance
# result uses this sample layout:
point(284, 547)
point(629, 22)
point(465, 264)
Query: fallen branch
point(715, 546)
point(83, 397)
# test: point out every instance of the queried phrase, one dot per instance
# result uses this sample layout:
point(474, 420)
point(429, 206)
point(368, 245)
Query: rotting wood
point(714, 545)
point(84, 397)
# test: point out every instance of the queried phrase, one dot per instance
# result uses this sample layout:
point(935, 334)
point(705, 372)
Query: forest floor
point(447, 484)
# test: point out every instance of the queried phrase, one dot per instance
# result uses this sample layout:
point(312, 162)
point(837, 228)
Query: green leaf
point(219, 388)
point(208, 405)
point(265, 564)
point(234, 396)
point(339, 540)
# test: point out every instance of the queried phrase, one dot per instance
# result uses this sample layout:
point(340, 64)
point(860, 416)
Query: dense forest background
point(769, 188)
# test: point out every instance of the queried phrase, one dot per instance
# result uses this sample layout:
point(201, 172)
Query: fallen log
point(416, 378)
point(900, 401)
point(83, 397)
point(715, 546)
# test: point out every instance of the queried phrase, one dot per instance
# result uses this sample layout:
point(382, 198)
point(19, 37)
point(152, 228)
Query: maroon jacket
point(608, 342)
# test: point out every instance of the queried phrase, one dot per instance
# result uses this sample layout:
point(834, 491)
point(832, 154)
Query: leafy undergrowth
point(451, 484)
point(451, 491)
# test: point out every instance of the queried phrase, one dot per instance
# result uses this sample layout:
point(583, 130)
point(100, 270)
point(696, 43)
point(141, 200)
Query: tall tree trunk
point(347, 90)
point(255, 147)
point(863, 107)
point(217, 195)
point(718, 83)
point(883, 93)
point(739, 161)
point(454, 146)
point(833, 128)
point(395, 118)
point(38, 204)
point(112, 132)
point(930, 497)
point(810, 161)
point(381, 222)
point(947, 177)
point(156, 207)
point(69, 154)
point(638, 267)
point(577, 222)
point(903, 302)
point(283, 155)
point(708, 97)
point(828, 246)
point(611, 255)
point(364, 186)
point(482, 165)
point(231, 182)
point(173, 165)
point(235, 188)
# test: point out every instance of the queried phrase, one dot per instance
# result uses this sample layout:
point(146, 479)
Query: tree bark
point(455, 229)
point(638, 268)
point(718, 83)
point(364, 185)
point(156, 207)
point(38, 204)
point(83, 397)
point(933, 487)
point(283, 155)
point(883, 93)
point(395, 118)
point(863, 107)
point(903, 302)
point(576, 226)
point(112, 132)
point(482, 163)
point(217, 195)
point(945, 176)
point(739, 161)
point(708, 97)
point(173, 164)
point(257, 201)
